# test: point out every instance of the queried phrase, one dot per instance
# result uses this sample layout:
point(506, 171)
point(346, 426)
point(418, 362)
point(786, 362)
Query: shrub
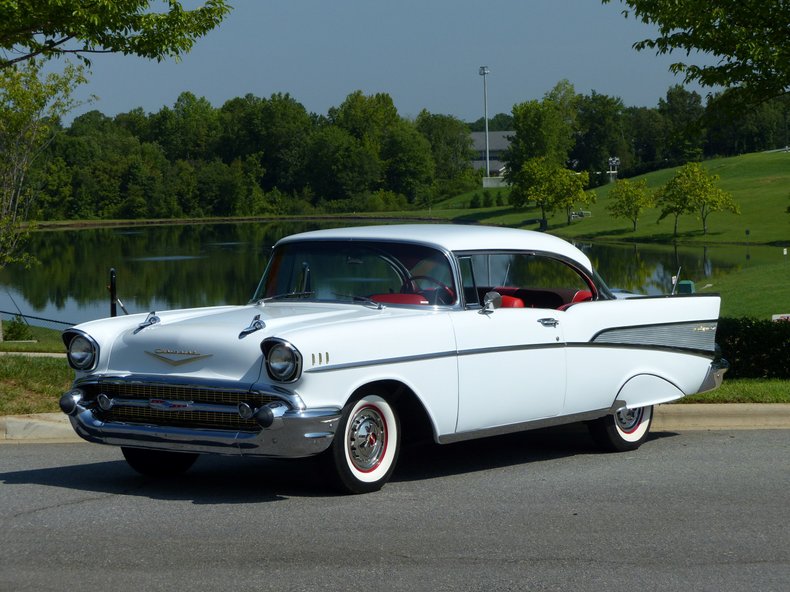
point(17, 330)
point(755, 348)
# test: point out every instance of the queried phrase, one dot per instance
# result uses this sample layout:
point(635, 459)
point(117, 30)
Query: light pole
point(484, 71)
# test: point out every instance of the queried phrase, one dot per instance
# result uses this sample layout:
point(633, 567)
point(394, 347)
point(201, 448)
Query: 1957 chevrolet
point(359, 339)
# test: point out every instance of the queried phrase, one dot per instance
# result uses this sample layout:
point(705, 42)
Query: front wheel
point(158, 463)
point(366, 445)
point(622, 431)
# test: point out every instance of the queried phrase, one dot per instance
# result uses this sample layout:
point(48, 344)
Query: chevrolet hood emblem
point(177, 357)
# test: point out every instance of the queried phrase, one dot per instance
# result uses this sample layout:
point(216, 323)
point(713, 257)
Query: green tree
point(188, 131)
point(30, 107)
point(599, 132)
point(693, 190)
point(47, 28)
point(285, 131)
point(550, 186)
point(646, 129)
point(628, 199)
point(367, 118)
point(275, 130)
point(501, 122)
point(682, 113)
point(543, 129)
point(339, 166)
point(451, 144)
point(747, 38)
point(761, 127)
point(408, 163)
point(568, 189)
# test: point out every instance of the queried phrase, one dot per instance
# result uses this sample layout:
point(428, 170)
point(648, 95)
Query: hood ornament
point(151, 319)
point(256, 325)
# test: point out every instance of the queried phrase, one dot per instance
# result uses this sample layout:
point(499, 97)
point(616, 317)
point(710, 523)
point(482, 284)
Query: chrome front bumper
point(292, 434)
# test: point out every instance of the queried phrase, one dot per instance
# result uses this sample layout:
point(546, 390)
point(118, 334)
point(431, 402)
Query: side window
point(527, 280)
point(471, 294)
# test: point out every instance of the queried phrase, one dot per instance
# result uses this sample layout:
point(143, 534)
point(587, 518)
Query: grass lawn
point(42, 340)
point(745, 390)
point(32, 385)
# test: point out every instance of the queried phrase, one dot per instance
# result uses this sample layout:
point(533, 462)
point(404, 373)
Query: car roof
point(453, 237)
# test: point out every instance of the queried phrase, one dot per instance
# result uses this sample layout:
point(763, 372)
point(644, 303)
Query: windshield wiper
point(360, 300)
point(285, 296)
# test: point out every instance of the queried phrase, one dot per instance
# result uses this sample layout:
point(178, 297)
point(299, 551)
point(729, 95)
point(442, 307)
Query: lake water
point(165, 267)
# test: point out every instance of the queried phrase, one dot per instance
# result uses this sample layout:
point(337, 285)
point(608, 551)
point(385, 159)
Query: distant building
point(498, 143)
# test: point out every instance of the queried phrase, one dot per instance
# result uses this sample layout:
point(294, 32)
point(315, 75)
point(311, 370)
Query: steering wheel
point(444, 294)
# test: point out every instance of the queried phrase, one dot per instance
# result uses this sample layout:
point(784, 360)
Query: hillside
point(759, 183)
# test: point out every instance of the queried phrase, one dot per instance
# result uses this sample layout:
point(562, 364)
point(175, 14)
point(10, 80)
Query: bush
point(755, 348)
point(17, 330)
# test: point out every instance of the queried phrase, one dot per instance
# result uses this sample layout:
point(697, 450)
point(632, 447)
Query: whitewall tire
point(624, 430)
point(366, 445)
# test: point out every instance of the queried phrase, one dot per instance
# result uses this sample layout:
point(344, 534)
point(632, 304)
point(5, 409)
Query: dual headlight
point(283, 360)
point(83, 352)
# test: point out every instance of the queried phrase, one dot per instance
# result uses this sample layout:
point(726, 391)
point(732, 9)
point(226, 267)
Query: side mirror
point(491, 301)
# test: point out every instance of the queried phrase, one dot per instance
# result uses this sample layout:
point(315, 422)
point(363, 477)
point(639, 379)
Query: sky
point(425, 54)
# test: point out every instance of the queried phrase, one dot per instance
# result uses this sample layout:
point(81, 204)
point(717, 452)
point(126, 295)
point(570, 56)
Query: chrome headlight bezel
point(83, 352)
point(283, 360)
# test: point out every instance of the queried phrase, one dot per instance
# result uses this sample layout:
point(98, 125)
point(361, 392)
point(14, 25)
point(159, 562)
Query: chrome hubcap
point(629, 419)
point(367, 439)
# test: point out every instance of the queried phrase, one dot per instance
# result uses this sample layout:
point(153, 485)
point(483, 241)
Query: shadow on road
point(236, 480)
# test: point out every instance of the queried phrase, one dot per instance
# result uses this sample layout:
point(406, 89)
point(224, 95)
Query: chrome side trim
point(383, 361)
point(434, 356)
point(535, 424)
point(691, 335)
point(649, 347)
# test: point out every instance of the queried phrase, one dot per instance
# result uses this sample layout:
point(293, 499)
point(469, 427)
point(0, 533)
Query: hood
point(212, 343)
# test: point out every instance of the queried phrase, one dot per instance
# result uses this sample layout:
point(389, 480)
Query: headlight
point(283, 361)
point(83, 352)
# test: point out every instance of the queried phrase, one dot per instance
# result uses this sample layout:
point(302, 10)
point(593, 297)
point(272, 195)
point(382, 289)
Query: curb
point(37, 427)
point(722, 416)
point(56, 427)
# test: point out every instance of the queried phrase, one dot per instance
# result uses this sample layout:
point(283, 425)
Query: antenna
point(675, 279)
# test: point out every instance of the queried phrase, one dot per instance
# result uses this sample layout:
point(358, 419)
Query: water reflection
point(164, 267)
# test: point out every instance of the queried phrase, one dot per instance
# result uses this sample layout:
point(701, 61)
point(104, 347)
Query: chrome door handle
point(549, 322)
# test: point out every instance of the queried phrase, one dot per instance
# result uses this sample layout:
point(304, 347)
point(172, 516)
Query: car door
point(511, 367)
point(511, 360)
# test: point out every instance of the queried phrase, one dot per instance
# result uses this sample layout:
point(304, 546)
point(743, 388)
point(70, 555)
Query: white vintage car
point(360, 339)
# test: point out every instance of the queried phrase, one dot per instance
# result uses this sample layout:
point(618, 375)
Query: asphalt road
point(538, 511)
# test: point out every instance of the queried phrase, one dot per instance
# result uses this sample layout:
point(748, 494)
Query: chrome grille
point(176, 418)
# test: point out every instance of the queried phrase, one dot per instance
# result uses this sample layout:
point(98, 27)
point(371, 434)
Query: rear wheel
point(158, 463)
point(366, 445)
point(624, 430)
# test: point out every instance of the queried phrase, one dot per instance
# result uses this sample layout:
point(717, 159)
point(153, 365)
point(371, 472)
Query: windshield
point(359, 271)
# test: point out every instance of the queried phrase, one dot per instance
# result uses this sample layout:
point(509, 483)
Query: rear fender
point(644, 390)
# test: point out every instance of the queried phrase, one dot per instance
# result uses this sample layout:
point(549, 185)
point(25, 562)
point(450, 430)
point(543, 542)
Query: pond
point(176, 266)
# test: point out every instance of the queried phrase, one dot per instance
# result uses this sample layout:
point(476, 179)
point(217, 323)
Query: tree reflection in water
point(177, 266)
